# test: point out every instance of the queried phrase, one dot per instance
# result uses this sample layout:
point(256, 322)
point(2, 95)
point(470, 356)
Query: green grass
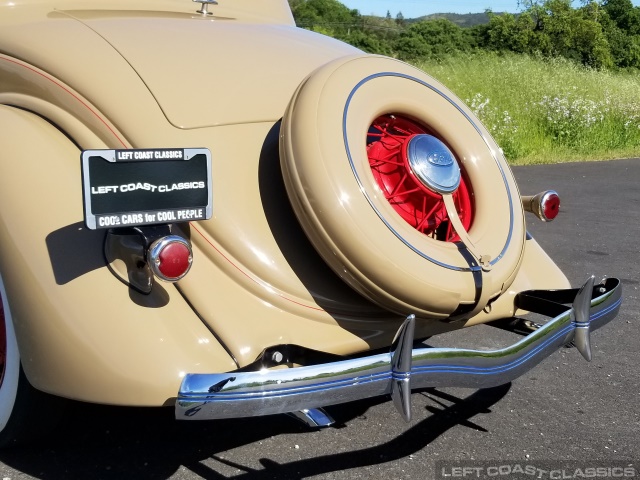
point(547, 111)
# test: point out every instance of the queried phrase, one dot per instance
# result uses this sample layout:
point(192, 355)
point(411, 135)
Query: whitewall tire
point(26, 414)
point(10, 359)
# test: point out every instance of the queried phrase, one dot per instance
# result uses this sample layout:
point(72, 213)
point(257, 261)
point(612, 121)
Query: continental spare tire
point(401, 189)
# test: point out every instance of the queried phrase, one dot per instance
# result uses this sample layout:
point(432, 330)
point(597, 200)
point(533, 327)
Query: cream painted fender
point(351, 223)
point(79, 333)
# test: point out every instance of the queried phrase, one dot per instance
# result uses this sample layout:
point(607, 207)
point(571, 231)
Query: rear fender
point(82, 335)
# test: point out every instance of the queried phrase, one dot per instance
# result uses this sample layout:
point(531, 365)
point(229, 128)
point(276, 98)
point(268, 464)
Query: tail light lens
point(550, 205)
point(170, 258)
point(544, 205)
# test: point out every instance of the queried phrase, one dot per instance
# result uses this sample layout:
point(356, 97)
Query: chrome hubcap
point(433, 164)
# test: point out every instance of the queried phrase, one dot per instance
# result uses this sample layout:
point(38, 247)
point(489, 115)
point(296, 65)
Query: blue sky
point(418, 8)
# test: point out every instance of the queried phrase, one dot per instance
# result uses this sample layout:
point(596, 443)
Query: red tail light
point(545, 205)
point(550, 205)
point(170, 258)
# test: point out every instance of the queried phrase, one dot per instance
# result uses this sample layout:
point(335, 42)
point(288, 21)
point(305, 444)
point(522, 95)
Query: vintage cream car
point(203, 206)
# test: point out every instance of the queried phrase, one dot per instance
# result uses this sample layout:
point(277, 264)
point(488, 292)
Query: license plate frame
point(137, 187)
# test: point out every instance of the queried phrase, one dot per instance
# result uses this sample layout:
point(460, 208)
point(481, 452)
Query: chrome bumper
point(266, 391)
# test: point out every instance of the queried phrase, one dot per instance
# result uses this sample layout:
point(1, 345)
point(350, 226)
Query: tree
point(575, 35)
point(329, 14)
point(553, 28)
point(432, 38)
point(624, 45)
point(511, 32)
point(332, 18)
point(624, 15)
point(368, 41)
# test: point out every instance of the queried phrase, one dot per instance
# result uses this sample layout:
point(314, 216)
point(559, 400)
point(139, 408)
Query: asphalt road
point(565, 409)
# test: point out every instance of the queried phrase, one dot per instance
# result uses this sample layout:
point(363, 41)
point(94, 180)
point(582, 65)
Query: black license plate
point(130, 188)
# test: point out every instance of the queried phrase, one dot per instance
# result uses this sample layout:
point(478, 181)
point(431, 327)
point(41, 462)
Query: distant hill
point(462, 20)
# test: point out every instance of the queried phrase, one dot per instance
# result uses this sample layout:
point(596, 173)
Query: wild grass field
point(547, 111)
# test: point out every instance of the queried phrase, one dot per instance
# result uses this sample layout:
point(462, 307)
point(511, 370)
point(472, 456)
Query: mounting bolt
point(277, 357)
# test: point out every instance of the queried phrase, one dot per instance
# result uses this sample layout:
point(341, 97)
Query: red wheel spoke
point(380, 163)
point(399, 194)
point(449, 237)
point(429, 215)
point(388, 162)
point(399, 184)
point(396, 136)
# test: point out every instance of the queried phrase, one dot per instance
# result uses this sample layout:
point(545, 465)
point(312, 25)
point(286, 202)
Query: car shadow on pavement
point(101, 442)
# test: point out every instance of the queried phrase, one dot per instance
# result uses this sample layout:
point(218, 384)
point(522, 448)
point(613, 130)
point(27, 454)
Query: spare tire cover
point(347, 214)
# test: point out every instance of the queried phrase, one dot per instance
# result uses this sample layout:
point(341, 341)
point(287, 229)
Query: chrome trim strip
point(475, 268)
point(265, 392)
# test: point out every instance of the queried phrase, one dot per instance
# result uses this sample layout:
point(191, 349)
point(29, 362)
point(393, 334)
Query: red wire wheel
point(417, 204)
